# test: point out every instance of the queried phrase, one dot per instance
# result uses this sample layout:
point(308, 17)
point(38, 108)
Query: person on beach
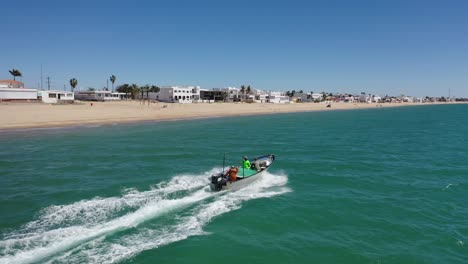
point(246, 163)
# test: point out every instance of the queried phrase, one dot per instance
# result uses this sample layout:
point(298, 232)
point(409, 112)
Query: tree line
point(132, 90)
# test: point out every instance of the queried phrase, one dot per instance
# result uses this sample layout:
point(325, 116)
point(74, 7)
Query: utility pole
point(41, 79)
point(107, 86)
point(48, 83)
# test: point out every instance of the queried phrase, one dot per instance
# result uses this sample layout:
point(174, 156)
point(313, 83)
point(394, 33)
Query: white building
point(99, 96)
point(316, 96)
point(349, 99)
point(260, 96)
point(277, 98)
point(11, 90)
point(176, 94)
point(53, 97)
point(376, 99)
point(115, 96)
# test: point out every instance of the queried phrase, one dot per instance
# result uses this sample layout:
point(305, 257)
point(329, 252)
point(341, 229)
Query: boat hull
point(242, 183)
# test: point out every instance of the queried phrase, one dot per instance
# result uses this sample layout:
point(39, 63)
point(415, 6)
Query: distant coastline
point(24, 115)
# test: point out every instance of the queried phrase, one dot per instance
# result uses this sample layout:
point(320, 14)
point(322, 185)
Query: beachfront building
point(301, 98)
point(115, 96)
point(233, 93)
point(177, 94)
point(55, 97)
point(11, 90)
point(349, 98)
point(408, 99)
point(364, 98)
point(317, 97)
point(211, 96)
point(99, 96)
point(11, 84)
point(259, 96)
point(277, 98)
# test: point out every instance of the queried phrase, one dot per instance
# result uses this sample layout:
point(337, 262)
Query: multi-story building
point(233, 93)
point(277, 98)
point(177, 94)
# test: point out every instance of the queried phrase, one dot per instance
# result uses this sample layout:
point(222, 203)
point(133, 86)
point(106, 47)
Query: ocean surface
point(363, 186)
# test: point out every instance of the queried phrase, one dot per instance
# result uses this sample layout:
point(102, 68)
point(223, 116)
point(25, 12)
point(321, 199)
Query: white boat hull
point(242, 183)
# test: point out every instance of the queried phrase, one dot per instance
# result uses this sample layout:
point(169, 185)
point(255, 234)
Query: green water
point(364, 186)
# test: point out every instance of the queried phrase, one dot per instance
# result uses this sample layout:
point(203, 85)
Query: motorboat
point(245, 176)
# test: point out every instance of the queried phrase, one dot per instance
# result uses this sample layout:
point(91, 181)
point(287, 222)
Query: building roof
point(10, 81)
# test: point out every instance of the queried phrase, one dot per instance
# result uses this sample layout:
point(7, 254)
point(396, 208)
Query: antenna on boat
point(224, 161)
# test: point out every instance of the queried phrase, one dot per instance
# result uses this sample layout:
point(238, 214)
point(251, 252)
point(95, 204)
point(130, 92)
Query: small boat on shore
point(245, 176)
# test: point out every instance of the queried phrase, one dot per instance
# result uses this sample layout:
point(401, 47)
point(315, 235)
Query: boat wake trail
point(109, 230)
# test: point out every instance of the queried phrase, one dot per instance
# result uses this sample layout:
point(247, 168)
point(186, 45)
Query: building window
point(52, 95)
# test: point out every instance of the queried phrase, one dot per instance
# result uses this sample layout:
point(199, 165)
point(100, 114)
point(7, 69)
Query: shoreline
point(19, 116)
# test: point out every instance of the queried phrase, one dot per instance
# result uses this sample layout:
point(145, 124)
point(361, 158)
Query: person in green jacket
point(246, 163)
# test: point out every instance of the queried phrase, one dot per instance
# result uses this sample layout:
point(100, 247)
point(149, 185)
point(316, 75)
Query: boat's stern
point(217, 182)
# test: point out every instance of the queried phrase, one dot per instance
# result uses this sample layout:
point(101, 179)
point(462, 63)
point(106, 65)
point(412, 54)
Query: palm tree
point(15, 73)
point(144, 89)
point(154, 89)
point(112, 79)
point(124, 88)
point(243, 91)
point(73, 83)
point(249, 89)
point(134, 90)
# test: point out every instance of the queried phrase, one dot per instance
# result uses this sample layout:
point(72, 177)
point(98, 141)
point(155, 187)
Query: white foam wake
point(60, 237)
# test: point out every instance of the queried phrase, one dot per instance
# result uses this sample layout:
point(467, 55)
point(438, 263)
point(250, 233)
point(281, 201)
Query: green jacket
point(246, 164)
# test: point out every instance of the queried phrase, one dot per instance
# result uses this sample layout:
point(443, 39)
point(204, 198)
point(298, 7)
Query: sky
point(380, 47)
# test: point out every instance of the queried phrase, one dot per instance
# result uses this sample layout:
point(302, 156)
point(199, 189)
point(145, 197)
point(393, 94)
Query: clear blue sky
point(381, 47)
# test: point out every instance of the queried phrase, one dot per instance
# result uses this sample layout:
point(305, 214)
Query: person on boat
point(246, 163)
point(232, 173)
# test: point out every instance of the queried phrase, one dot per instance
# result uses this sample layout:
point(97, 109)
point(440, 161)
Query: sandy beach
point(32, 115)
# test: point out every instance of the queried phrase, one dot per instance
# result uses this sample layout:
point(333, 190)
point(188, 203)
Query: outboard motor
point(217, 181)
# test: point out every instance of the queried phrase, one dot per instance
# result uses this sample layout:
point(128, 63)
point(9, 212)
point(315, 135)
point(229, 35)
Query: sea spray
point(127, 246)
point(84, 225)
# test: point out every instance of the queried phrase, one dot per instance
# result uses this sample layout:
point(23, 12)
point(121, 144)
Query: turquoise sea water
point(363, 186)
